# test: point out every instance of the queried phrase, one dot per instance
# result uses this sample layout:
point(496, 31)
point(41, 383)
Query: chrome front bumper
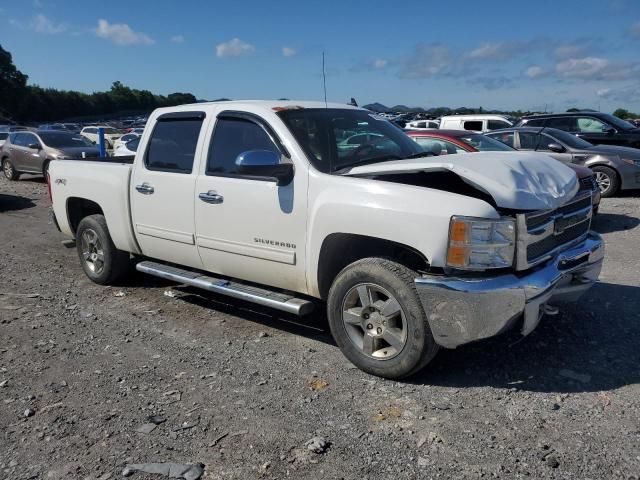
point(461, 310)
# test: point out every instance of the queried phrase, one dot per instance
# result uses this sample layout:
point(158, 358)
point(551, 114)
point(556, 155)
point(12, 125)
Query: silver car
point(31, 152)
point(615, 167)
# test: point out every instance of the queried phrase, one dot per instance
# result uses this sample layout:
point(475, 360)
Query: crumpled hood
point(515, 180)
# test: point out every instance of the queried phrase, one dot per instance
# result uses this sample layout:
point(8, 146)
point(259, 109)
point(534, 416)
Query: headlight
point(480, 244)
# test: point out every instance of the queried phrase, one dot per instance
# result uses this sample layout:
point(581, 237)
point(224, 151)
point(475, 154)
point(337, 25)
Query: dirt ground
point(242, 389)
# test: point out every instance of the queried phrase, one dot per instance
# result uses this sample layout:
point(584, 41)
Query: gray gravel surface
point(94, 378)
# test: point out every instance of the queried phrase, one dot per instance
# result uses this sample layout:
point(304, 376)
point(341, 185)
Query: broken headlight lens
point(480, 244)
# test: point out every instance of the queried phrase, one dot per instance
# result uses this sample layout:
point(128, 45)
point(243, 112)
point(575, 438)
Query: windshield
point(338, 138)
point(617, 122)
point(64, 140)
point(482, 143)
point(568, 139)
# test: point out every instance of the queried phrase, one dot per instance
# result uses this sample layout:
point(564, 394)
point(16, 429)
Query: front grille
point(541, 234)
point(539, 249)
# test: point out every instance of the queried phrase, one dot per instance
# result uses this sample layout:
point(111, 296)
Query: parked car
point(52, 126)
point(124, 139)
point(128, 148)
point(615, 167)
point(422, 125)
point(110, 134)
point(475, 123)
point(32, 152)
point(256, 200)
point(594, 127)
point(444, 142)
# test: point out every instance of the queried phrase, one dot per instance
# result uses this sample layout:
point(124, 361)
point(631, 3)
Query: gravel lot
point(242, 389)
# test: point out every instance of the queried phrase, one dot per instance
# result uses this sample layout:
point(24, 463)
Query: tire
point(362, 337)
point(101, 261)
point(9, 171)
point(608, 180)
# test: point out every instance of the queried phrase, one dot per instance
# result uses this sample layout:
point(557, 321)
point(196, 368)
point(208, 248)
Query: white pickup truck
point(295, 204)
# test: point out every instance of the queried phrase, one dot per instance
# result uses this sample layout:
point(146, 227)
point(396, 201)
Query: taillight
point(49, 187)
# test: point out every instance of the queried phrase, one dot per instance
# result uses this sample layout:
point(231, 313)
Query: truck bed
point(104, 181)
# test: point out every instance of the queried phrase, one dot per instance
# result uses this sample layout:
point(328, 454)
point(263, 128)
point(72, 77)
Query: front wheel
point(377, 320)
point(101, 261)
point(9, 172)
point(607, 179)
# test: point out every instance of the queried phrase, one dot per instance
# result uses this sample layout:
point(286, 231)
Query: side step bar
point(260, 296)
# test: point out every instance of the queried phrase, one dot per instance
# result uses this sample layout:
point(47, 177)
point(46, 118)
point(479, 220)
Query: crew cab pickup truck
point(276, 203)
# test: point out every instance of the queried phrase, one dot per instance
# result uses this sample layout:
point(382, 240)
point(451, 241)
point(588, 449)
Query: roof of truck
point(271, 104)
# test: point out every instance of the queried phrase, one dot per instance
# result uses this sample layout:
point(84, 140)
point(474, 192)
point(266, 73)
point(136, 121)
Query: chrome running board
point(278, 300)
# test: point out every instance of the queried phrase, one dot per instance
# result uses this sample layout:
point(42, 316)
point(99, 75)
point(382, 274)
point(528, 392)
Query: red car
point(445, 142)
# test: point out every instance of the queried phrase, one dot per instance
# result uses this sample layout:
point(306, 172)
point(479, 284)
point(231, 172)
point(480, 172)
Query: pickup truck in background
point(296, 204)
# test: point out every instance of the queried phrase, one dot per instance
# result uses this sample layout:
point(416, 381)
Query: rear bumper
point(462, 310)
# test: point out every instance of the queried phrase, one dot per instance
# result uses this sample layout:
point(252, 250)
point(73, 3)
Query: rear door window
point(172, 146)
point(568, 124)
point(475, 125)
point(528, 140)
point(496, 124)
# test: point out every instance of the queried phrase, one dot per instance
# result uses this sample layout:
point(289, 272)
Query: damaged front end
point(556, 259)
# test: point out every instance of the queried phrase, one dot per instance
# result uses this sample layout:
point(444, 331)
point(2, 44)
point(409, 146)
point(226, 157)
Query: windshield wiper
point(368, 161)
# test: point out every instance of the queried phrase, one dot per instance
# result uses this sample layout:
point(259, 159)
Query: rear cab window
point(474, 125)
point(172, 145)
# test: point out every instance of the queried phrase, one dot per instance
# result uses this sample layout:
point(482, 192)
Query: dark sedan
point(595, 127)
point(615, 167)
point(446, 142)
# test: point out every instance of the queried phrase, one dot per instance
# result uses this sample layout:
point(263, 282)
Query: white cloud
point(586, 67)
point(42, 24)
point(177, 39)
point(491, 51)
point(121, 34)
point(603, 92)
point(380, 63)
point(289, 52)
point(535, 71)
point(234, 48)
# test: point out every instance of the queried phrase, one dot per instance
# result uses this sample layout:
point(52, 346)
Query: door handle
point(211, 197)
point(145, 189)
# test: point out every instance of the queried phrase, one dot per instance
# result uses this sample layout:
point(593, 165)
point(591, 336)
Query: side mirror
point(556, 147)
point(34, 146)
point(264, 163)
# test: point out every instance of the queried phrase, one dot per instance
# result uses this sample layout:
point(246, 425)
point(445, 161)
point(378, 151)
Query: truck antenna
point(324, 81)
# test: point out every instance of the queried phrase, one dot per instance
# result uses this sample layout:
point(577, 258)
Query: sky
point(543, 55)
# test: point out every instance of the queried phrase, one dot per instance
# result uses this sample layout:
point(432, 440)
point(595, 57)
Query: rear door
point(250, 227)
point(15, 150)
point(163, 188)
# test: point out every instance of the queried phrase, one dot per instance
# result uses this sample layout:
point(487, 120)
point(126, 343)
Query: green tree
point(623, 113)
point(13, 84)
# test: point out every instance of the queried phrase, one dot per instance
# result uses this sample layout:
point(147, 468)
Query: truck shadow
point(613, 222)
point(591, 346)
point(10, 203)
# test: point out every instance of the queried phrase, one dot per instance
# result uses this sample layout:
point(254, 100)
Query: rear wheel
point(377, 320)
point(101, 261)
point(9, 171)
point(607, 179)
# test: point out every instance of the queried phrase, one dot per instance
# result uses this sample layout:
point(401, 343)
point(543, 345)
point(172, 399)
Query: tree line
point(23, 103)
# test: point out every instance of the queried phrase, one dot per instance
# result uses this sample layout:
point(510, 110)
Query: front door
point(250, 227)
point(163, 189)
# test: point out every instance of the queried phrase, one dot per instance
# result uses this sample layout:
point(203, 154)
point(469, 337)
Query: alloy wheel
point(92, 251)
point(374, 321)
point(604, 181)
